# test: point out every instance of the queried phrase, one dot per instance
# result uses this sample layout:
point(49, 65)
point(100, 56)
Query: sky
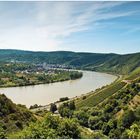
point(98, 27)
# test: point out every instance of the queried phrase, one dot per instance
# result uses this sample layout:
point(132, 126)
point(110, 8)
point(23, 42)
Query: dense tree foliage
point(21, 74)
point(2, 133)
point(51, 127)
point(133, 132)
point(127, 119)
point(92, 61)
point(66, 109)
point(13, 117)
point(82, 117)
point(111, 112)
point(113, 116)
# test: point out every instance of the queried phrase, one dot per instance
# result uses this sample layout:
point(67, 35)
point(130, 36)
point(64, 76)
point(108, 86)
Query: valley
point(106, 110)
point(69, 69)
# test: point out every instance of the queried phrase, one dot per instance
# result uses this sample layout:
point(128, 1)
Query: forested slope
point(13, 117)
point(114, 63)
point(110, 112)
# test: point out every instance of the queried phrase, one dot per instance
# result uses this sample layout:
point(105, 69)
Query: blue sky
point(100, 27)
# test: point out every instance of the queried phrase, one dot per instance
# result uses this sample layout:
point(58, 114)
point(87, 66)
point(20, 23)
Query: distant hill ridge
point(116, 63)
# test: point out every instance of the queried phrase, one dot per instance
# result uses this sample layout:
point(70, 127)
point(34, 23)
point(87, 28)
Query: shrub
point(63, 99)
point(53, 108)
point(82, 117)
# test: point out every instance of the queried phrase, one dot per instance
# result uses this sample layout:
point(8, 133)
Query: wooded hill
point(116, 63)
point(13, 117)
point(110, 112)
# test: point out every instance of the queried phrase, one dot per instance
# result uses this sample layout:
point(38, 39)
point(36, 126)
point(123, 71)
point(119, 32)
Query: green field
point(101, 95)
point(98, 96)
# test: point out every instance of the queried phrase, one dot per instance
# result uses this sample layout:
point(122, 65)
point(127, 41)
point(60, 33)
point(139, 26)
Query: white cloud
point(28, 39)
point(47, 24)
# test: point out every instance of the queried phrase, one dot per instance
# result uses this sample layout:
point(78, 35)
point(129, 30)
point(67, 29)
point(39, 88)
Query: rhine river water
point(47, 93)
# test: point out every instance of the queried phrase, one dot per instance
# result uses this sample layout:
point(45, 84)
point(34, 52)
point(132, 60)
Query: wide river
point(47, 93)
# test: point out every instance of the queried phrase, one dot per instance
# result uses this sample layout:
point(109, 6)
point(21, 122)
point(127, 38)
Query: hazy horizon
point(73, 51)
point(96, 27)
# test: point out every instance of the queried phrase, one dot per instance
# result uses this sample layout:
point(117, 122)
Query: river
point(47, 93)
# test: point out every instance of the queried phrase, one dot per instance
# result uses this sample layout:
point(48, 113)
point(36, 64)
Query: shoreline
point(57, 103)
point(2, 87)
point(79, 70)
point(38, 84)
point(74, 97)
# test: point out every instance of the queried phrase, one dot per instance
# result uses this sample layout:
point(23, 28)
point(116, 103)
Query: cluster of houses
point(44, 68)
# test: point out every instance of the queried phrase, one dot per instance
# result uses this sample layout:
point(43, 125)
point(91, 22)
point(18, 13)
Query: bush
point(95, 111)
point(66, 109)
point(68, 128)
point(84, 97)
point(105, 128)
point(53, 108)
point(108, 108)
point(92, 122)
point(72, 105)
point(82, 117)
point(2, 133)
point(137, 113)
point(127, 119)
point(33, 106)
point(133, 132)
point(52, 127)
point(63, 99)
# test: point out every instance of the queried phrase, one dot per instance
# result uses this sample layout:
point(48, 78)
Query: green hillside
point(134, 74)
point(99, 96)
point(118, 116)
point(114, 63)
point(110, 112)
point(123, 64)
point(13, 117)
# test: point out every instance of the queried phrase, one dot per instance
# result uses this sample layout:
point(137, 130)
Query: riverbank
point(31, 79)
point(76, 98)
point(48, 93)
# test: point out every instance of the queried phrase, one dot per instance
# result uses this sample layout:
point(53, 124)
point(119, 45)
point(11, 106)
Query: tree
point(2, 134)
point(75, 75)
point(72, 105)
point(94, 111)
point(33, 106)
point(127, 119)
point(41, 77)
point(69, 129)
point(82, 117)
point(65, 111)
point(63, 99)
point(51, 127)
point(112, 123)
point(137, 113)
point(114, 133)
point(84, 97)
point(105, 128)
point(53, 108)
point(133, 132)
point(108, 108)
point(92, 122)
